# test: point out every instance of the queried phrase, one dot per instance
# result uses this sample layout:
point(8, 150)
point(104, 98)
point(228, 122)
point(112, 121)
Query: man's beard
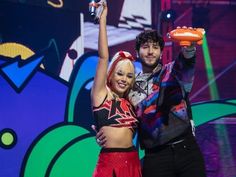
point(151, 66)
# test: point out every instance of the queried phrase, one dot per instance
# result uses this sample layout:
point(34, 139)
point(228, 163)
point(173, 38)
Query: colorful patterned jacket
point(161, 102)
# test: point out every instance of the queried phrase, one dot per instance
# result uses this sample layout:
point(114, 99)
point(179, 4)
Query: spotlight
point(168, 15)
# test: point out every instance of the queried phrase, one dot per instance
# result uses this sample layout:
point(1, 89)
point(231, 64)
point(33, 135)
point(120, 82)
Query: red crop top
point(115, 113)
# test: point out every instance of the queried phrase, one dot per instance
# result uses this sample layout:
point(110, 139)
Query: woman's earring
point(137, 56)
point(109, 82)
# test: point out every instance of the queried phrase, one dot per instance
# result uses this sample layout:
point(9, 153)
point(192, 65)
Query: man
point(160, 96)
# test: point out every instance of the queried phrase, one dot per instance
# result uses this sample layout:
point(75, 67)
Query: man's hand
point(100, 137)
point(189, 51)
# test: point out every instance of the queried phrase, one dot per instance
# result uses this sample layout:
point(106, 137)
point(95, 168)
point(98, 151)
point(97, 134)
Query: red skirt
point(118, 162)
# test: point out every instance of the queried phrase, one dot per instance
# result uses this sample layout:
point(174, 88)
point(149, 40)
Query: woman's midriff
point(117, 137)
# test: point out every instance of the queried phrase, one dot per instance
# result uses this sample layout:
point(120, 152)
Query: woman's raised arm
point(99, 90)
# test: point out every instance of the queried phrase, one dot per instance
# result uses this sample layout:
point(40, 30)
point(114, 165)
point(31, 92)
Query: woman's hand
point(105, 9)
point(101, 10)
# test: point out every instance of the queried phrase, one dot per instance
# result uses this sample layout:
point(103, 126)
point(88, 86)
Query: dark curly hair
point(149, 36)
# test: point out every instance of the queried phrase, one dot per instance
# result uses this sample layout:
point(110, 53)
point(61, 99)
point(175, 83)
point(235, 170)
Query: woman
point(113, 114)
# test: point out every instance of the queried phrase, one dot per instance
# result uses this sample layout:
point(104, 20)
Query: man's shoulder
point(142, 77)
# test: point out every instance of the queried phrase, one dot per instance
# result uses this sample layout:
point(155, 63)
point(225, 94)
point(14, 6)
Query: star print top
point(115, 113)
